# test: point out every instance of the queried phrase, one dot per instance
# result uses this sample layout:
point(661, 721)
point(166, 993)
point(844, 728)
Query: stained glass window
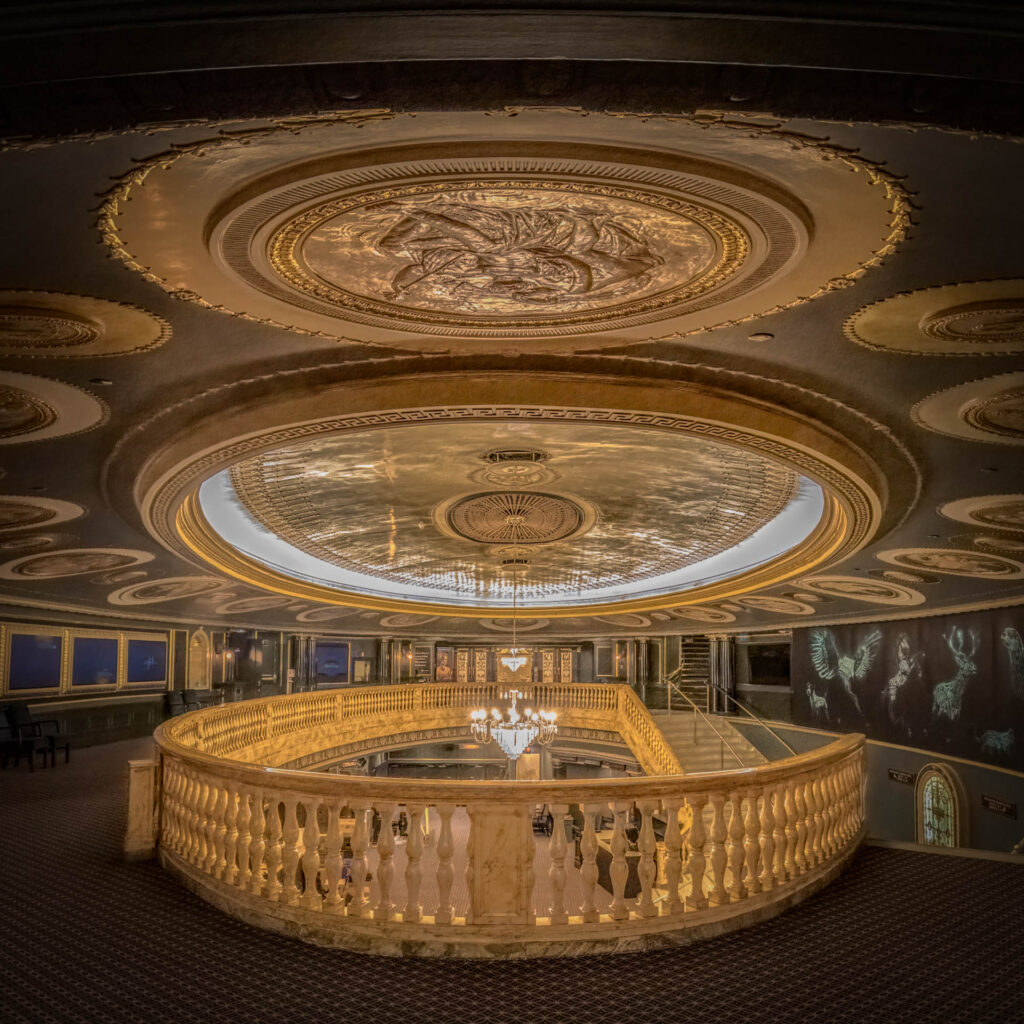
point(938, 812)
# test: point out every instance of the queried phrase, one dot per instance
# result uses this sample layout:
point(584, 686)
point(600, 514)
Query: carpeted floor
point(901, 937)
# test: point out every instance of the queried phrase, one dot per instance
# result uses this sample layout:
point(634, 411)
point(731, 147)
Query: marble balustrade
point(297, 851)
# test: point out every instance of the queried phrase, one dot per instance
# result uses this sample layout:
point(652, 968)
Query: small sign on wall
point(997, 806)
point(906, 778)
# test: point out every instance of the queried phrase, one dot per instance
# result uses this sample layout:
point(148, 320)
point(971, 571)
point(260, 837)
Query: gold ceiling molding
point(854, 485)
point(974, 318)
point(28, 512)
point(497, 232)
point(990, 410)
point(54, 325)
point(38, 408)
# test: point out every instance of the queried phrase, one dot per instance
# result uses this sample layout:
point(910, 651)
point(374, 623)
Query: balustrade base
point(504, 941)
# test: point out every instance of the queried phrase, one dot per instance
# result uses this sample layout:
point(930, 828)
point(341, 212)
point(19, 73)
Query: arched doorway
point(199, 661)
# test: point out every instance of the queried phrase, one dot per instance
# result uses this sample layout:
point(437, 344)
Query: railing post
point(673, 857)
point(143, 809)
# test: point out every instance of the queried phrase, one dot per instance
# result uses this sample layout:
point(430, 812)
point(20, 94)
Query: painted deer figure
point(948, 696)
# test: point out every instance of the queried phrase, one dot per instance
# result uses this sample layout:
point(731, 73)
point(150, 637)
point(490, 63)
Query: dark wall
point(953, 684)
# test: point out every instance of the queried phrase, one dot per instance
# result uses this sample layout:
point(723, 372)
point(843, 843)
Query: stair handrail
point(697, 711)
point(760, 721)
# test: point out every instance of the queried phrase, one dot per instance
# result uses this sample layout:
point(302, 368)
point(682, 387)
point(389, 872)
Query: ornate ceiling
point(376, 365)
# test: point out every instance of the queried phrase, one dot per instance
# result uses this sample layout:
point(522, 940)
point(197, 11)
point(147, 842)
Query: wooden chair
point(46, 733)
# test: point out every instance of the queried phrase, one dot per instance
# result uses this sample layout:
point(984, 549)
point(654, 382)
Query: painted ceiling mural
point(380, 370)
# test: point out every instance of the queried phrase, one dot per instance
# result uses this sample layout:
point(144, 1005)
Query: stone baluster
point(556, 873)
point(202, 794)
point(588, 870)
point(243, 824)
point(736, 852)
point(413, 865)
point(311, 898)
point(697, 862)
point(673, 858)
point(814, 854)
point(751, 844)
point(272, 888)
point(791, 867)
point(846, 809)
point(647, 870)
point(169, 810)
point(360, 844)
point(210, 828)
point(800, 803)
point(230, 870)
point(258, 846)
point(718, 895)
point(445, 871)
point(779, 813)
point(220, 831)
point(470, 840)
point(334, 896)
point(385, 865)
point(290, 852)
point(829, 800)
point(767, 841)
point(619, 869)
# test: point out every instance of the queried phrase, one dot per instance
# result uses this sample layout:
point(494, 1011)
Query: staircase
point(692, 675)
point(699, 748)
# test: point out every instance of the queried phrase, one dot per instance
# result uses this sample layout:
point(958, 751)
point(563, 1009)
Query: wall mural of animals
point(951, 683)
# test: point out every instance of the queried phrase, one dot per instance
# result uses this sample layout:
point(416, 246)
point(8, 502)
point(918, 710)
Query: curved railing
point(416, 866)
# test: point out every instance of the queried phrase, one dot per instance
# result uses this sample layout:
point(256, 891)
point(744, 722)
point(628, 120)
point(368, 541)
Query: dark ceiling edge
point(98, 107)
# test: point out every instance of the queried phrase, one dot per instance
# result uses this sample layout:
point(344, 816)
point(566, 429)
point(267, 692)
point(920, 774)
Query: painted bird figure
point(849, 668)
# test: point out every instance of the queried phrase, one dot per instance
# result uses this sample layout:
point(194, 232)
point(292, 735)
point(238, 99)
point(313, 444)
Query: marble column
point(721, 667)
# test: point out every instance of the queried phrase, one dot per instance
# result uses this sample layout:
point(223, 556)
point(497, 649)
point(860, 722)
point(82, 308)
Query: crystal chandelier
point(514, 731)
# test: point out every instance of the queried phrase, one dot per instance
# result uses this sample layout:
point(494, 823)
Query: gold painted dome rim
point(853, 484)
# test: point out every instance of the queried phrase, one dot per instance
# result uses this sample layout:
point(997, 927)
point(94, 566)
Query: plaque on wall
point(421, 660)
point(906, 778)
point(1000, 807)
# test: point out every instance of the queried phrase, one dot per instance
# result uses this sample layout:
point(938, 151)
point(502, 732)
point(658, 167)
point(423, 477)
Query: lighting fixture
point(514, 731)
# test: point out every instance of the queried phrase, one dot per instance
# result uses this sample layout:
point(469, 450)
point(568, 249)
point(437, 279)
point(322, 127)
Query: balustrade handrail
point(321, 784)
point(325, 856)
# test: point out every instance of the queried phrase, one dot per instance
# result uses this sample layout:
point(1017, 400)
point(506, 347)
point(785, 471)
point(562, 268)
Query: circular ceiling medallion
point(969, 319)
point(50, 324)
point(250, 604)
point(873, 591)
point(904, 576)
point(402, 620)
point(71, 562)
point(22, 512)
point(703, 614)
point(128, 576)
point(505, 625)
point(999, 511)
point(37, 409)
point(517, 517)
point(628, 621)
point(991, 542)
point(955, 563)
point(29, 543)
point(324, 614)
point(461, 229)
point(989, 410)
point(777, 605)
point(171, 589)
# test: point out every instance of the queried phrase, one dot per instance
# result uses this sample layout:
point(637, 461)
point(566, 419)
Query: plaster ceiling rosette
point(71, 562)
point(955, 562)
point(989, 410)
point(873, 591)
point(25, 512)
point(975, 318)
point(37, 408)
point(1009, 543)
point(992, 511)
point(463, 231)
point(171, 589)
point(776, 605)
point(663, 494)
point(52, 325)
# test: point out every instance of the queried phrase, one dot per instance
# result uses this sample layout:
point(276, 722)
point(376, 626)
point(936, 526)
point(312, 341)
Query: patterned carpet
point(901, 937)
